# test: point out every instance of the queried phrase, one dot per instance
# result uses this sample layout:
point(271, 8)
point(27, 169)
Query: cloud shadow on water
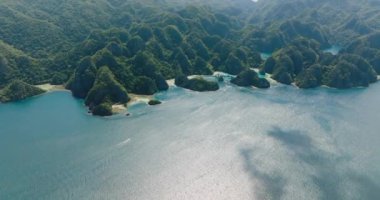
point(331, 171)
point(273, 184)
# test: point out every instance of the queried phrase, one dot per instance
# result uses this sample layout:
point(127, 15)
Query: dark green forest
point(102, 50)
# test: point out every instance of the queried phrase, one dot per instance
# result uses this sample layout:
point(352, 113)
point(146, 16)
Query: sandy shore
point(50, 87)
point(135, 98)
point(171, 82)
point(119, 108)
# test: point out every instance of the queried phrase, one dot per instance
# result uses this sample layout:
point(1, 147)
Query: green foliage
point(369, 48)
point(115, 49)
point(145, 32)
point(311, 77)
point(105, 57)
point(145, 85)
point(350, 71)
point(282, 75)
point(59, 78)
point(177, 21)
point(83, 79)
point(183, 62)
point(269, 65)
point(106, 89)
point(200, 48)
point(196, 84)
point(160, 82)
point(18, 90)
point(250, 78)
point(233, 65)
point(201, 67)
point(173, 35)
point(143, 65)
point(262, 83)
point(333, 20)
point(135, 45)
point(294, 29)
point(15, 64)
point(104, 109)
point(304, 63)
point(154, 102)
point(181, 80)
point(148, 41)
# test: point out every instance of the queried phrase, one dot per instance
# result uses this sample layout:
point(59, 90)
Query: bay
point(236, 143)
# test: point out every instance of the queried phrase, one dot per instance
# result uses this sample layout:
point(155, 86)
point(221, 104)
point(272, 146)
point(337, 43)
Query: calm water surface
point(237, 143)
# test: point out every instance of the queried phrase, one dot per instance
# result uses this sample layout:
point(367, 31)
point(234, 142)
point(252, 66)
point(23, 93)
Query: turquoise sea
point(236, 143)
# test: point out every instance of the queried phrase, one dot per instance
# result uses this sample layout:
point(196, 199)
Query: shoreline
point(171, 82)
point(50, 88)
point(135, 99)
point(267, 76)
point(116, 108)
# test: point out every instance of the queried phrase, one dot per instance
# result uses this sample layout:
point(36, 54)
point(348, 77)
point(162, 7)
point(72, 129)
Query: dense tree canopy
point(18, 90)
point(74, 42)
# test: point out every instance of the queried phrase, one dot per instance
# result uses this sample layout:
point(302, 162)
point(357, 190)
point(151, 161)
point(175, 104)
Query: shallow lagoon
point(237, 143)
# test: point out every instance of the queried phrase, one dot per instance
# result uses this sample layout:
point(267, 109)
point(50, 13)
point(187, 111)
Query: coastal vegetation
point(250, 78)
point(154, 102)
point(196, 84)
point(18, 90)
point(305, 64)
point(102, 56)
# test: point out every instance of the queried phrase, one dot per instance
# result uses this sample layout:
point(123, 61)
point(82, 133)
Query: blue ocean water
point(236, 143)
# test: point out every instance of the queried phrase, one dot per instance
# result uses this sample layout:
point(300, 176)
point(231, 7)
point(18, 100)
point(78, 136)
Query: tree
point(18, 90)
point(160, 82)
point(105, 57)
point(106, 89)
point(200, 48)
point(5, 70)
point(115, 49)
point(233, 65)
point(135, 45)
point(145, 32)
point(201, 67)
point(311, 77)
point(83, 78)
point(245, 78)
point(145, 85)
point(143, 65)
point(182, 60)
point(282, 75)
point(173, 35)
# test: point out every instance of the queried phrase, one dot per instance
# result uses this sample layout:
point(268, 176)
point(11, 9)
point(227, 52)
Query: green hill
point(18, 90)
point(145, 42)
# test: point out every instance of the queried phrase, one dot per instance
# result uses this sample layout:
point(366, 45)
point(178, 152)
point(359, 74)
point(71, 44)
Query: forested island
point(104, 50)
